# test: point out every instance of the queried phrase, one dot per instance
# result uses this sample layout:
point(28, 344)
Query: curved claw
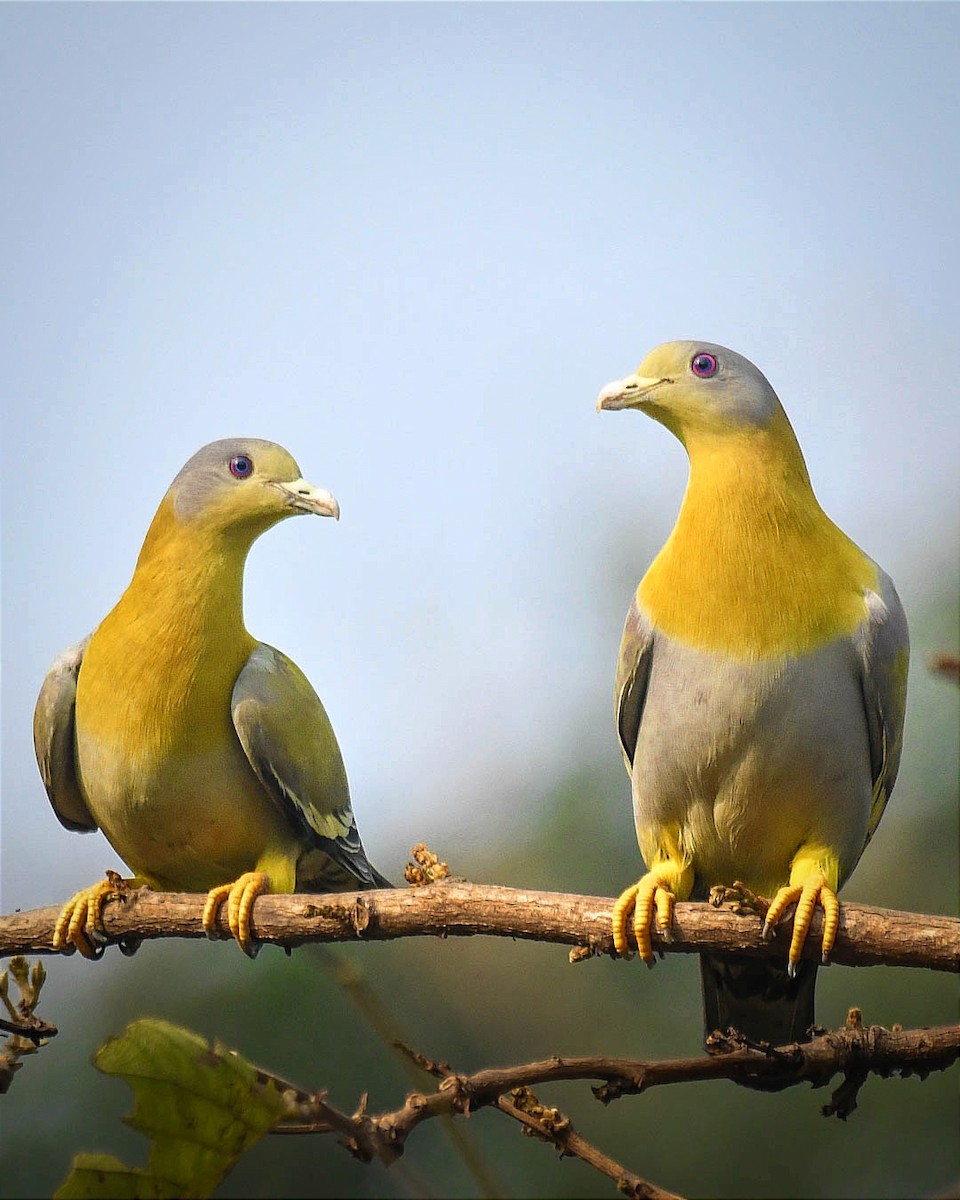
point(813, 891)
point(651, 894)
point(239, 897)
point(80, 923)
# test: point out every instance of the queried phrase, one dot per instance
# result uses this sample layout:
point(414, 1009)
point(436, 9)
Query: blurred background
point(410, 243)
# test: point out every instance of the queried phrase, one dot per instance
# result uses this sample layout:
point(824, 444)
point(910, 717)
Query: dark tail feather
point(338, 865)
point(758, 998)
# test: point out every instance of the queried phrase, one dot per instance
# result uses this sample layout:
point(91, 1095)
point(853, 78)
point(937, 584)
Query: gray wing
point(633, 673)
point(883, 647)
point(54, 741)
point(290, 744)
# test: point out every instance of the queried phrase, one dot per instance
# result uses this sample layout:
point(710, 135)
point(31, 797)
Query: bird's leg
point(656, 892)
point(813, 881)
point(80, 923)
point(239, 897)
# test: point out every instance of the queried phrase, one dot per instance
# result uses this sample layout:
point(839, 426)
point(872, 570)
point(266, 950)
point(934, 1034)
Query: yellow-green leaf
point(202, 1107)
point(107, 1178)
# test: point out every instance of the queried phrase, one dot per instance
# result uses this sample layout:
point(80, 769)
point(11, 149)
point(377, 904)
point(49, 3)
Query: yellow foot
point(814, 890)
point(80, 923)
point(739, 898)
point(651, 893)
point(239, 897)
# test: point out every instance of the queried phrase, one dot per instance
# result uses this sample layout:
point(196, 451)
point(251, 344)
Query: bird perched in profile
point(760, 690)
point(205, 756)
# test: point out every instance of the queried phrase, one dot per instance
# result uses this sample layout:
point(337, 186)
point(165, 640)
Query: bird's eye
point(241, 466)
point(704, 365)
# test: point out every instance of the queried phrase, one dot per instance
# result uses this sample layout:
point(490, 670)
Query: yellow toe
point(239, 897)
point(653, 894)
point(211, 909)
point(80, 923)
point(621, 911)
point(652, 897)
point(813, 890)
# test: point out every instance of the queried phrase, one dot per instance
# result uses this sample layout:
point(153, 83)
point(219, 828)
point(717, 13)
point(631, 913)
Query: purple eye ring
point(241, 466)
point(704, 365)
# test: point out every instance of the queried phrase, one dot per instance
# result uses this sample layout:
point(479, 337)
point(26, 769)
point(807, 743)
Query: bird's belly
point(742, 763)
point(187, 819)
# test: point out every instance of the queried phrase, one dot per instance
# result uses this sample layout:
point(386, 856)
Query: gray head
point(696, 387)
point(245, 482)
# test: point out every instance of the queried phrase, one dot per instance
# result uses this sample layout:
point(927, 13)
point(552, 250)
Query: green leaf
point(202, 1106)
point(106, 1177)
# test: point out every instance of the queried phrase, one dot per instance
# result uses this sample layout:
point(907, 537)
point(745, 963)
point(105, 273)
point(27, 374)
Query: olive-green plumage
point(200, 752)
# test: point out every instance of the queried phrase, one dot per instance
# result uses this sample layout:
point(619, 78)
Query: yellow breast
point(754, 567)
point(159, 760)
point(163, 663)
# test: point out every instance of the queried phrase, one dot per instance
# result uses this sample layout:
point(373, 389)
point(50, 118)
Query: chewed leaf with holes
point(201, 1106)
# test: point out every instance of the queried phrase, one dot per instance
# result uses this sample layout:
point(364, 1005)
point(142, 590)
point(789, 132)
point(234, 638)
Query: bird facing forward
point(760, 690)
point(205, 756)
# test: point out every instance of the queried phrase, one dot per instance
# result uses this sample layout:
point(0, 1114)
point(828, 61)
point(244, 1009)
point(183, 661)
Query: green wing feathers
point(633, 672)
point(54, 740)
point(883, 646)
point(289, 741)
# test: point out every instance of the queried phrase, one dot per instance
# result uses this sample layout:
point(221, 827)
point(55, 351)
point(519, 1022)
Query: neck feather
point(754, 566)
point(183, 610)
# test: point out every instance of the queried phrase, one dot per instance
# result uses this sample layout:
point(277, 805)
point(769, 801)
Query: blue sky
point(410, 243)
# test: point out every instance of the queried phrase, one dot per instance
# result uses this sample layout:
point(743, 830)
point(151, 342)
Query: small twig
point(384, 1137)
point(855, 1051)
point(551, 1125)
point(27, 1033)
point(878, 1050)
point(31, 1028)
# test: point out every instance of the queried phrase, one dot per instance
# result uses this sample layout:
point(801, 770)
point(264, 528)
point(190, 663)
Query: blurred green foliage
point(201, 1106)
point(480, 1002)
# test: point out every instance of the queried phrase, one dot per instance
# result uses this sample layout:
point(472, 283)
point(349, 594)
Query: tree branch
point(855, 1051)
point(552, 1126)
point(538, 1121)
point(855, 1047)
point(868, 936)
